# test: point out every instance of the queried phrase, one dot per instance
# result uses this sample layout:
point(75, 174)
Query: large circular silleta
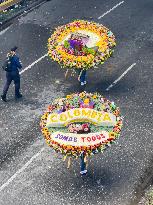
point(81, 122)
point(81, 44)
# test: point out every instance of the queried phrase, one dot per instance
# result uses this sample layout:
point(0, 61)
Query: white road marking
point(35, 62)
point(21, 170)
point(3, 31)
point(114, 7)
point(118, 79)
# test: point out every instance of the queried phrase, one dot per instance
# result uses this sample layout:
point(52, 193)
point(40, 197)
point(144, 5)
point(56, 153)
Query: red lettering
point(102, 136)
point(98, 137)
point(93, 138)
point(82, 138)
point(89, 139)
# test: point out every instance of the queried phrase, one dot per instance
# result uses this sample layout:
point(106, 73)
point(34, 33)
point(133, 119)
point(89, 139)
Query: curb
point(22, 12)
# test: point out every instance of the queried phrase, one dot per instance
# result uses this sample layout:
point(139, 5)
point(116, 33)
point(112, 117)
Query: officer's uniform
point(13, 75)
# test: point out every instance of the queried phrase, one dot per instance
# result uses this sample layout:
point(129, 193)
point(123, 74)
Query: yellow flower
point(82, 95)
point(112, 135)
point(86, 101)
point(68, 96)
point(94, 96)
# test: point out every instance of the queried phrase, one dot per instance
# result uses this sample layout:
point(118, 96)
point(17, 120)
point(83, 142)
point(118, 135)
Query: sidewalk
point(6, 17)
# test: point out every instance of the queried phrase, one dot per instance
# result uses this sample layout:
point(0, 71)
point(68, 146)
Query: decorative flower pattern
point(77, 100)
point(81, 44)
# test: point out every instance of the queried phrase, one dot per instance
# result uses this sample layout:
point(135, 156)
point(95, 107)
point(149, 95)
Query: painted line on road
point(118, 79)
point(35, 62)
point(3, 31)
point(21, 170)
point(114, 7)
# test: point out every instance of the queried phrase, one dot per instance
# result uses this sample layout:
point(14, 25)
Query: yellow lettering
point(63, 117)
point(80, 115)
point(69, 115)
point(94, 114)
point(99, 118)
point(106, 117)
point(53, 118)
point(86, 113)
point(76, 112)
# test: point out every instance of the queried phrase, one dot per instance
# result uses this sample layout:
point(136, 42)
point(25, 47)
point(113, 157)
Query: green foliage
point(66, 44)
point(88, 51)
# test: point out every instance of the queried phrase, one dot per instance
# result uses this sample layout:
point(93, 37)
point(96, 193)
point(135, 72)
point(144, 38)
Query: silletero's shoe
point(3, 97)
point(82, 83)
point(18, 96)
point(84, 172)
point(85, 82)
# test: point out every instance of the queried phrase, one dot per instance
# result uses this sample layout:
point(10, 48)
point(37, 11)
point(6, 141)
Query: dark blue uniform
point(13, 75)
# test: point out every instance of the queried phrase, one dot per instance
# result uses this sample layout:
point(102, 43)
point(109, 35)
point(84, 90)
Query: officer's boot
point(3, 97)
point(19, 95)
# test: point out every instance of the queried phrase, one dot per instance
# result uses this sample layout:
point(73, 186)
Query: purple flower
point(59, 111)
point(74, 43)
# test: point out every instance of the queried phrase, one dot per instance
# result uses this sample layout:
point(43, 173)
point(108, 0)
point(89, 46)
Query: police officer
point(13, 74)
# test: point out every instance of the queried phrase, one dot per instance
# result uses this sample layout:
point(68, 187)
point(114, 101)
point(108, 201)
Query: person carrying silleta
point(82, 76)
point(12, 66)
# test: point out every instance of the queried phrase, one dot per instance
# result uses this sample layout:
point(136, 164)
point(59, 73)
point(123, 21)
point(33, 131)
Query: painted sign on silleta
point(81, 115)
point(73, 139)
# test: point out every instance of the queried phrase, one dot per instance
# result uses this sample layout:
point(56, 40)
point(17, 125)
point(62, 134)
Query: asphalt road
point(30, 172)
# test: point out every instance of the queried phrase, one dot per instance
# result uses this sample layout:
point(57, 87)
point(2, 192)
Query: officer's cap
point(14, 48)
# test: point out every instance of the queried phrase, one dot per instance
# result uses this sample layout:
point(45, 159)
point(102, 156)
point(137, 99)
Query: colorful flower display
point(81, 44)
point(81, 122)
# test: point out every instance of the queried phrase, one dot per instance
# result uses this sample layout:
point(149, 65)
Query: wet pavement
point(113, 177)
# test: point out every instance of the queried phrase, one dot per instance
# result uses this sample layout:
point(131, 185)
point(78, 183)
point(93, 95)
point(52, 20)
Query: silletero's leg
point(83, 165)
point(85, 72)
point(17, 84)
point(7, 83)
point(83, 76)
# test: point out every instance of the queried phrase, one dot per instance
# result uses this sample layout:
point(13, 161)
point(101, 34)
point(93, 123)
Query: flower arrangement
point(79, 128)
point(88, 101)
point(81, 44)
